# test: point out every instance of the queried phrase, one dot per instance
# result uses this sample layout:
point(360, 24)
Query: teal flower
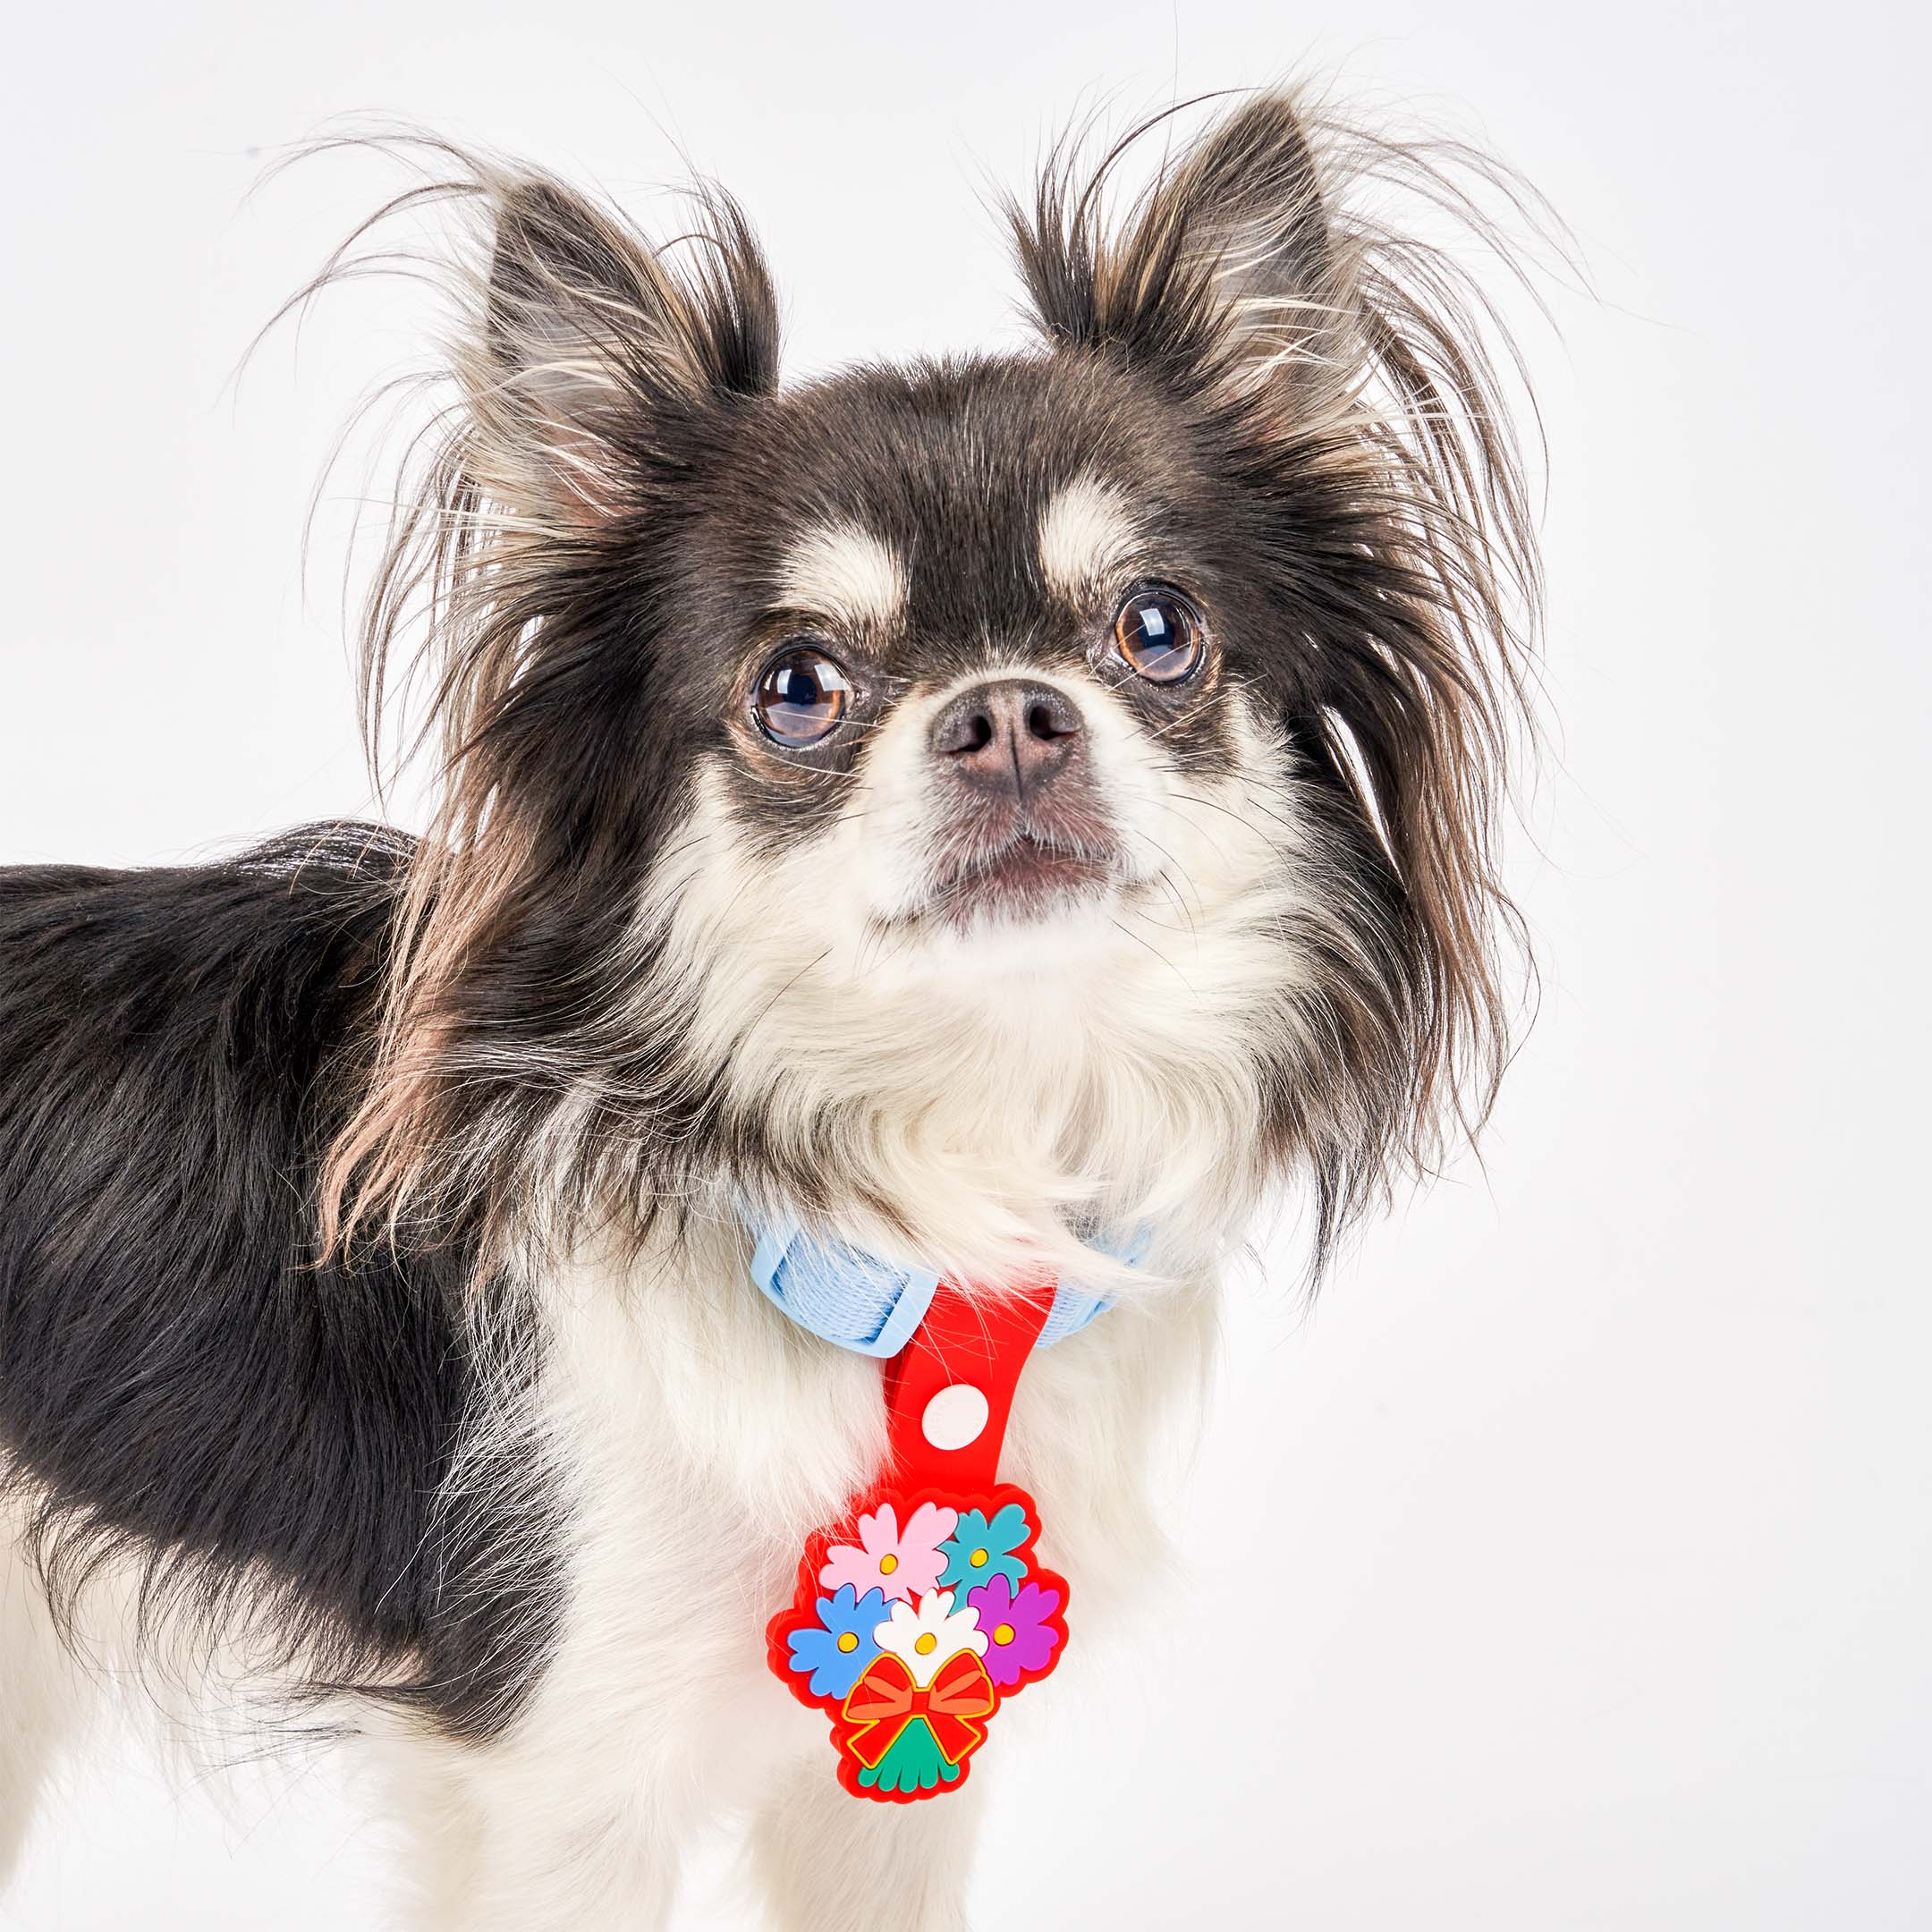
point(978, 1551)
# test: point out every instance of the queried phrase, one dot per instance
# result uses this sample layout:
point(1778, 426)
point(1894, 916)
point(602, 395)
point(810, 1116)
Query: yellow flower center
point(1003, 1634)
point(926, 1643)
point(888, 1562)
point(977, 1559)
point(848, 1641)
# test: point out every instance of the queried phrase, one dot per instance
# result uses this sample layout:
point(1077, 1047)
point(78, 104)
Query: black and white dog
point(965, 807)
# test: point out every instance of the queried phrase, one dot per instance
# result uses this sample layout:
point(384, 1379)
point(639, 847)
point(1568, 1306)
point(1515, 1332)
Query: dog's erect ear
point(599, 345)
point(594, 373)
point(1278, 279)
point(1221, 272)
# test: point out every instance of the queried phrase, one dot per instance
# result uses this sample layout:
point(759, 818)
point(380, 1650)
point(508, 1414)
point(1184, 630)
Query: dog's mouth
point(1025, 877)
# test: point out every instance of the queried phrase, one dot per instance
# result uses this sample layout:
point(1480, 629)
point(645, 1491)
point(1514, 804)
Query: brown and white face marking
point(1019, 807)
point(858, 580)
point(1089, 538)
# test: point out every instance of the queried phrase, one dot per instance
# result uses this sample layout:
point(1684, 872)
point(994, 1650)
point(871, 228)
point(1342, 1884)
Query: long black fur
point(185, 1386)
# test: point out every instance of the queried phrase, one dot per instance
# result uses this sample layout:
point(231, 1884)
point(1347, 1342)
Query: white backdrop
point(1590, 1506)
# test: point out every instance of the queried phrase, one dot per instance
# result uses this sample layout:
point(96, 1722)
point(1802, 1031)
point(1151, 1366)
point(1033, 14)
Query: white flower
point(922, 1639)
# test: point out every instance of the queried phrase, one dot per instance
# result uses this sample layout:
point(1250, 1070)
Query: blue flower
point(978, 1551)
point(837, 1653)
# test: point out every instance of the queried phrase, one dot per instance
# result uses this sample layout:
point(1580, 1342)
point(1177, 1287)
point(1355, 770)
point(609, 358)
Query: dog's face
point(987, 826)
point(979, 658)
point(1076, 764)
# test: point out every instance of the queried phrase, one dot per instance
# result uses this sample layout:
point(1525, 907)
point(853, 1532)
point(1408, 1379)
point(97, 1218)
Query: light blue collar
point(846, 1296)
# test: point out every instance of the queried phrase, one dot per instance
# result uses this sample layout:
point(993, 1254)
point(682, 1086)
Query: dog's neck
point(872, 1305)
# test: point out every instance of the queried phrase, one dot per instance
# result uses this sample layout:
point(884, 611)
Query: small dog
point(966, 808)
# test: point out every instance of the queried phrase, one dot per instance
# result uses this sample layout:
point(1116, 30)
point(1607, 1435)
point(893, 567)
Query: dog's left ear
point(1219, 276)
point(1343, 378)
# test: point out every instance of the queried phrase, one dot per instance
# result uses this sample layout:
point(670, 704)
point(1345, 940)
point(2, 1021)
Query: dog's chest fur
point(691, 1439)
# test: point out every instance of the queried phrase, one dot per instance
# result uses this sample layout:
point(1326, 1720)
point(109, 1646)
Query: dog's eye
point(801, 696)
point(1159, 633)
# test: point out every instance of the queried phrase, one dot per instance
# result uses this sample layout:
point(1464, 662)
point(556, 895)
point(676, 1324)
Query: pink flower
point(903, 1565)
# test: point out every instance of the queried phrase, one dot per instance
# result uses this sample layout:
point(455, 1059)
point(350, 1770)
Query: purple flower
point(1020, 1634)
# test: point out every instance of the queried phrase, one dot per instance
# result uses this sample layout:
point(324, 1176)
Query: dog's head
point(967, 800)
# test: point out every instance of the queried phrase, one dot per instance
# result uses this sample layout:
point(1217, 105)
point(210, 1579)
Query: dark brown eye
point(1159, 634)
point(801, 697)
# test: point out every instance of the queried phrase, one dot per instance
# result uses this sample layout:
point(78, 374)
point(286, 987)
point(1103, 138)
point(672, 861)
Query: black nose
point(1008, 736)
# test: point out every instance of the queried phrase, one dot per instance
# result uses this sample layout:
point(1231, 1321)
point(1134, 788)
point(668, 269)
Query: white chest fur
point(697, 1437)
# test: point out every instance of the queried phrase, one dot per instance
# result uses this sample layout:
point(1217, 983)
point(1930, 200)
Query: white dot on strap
point(954, 1417)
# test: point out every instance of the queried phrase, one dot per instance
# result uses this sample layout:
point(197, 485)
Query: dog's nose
point(1009, 735)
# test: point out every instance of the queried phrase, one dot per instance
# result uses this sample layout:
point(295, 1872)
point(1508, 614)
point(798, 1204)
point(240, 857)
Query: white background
point(1578, 1539)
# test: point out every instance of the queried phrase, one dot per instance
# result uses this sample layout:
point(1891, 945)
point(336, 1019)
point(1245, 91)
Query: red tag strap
point(949, 1392)
point(924, 1606)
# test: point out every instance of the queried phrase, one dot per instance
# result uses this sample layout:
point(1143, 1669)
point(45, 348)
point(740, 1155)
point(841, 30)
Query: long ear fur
point(586, 371)
point(1350, 375)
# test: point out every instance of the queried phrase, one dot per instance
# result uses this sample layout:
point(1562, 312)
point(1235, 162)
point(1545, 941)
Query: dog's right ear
point(594, 374)
point(598, 348)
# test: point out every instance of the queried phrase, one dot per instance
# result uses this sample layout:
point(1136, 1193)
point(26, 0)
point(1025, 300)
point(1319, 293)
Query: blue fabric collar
point(846, 1296)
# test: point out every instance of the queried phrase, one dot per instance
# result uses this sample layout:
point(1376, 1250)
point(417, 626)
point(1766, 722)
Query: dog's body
point(551, 1545)
point(967, 807)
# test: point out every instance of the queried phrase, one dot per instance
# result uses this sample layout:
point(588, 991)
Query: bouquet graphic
point(912, 1622)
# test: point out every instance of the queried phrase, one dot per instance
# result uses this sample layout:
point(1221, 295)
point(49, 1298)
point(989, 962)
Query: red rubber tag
point(922, 1609)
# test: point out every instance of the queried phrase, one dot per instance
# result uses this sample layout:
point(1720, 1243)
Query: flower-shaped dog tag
point(919, 1613)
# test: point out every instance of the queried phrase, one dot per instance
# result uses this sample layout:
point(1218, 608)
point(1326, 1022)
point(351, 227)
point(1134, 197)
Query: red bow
point(885, 1700)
